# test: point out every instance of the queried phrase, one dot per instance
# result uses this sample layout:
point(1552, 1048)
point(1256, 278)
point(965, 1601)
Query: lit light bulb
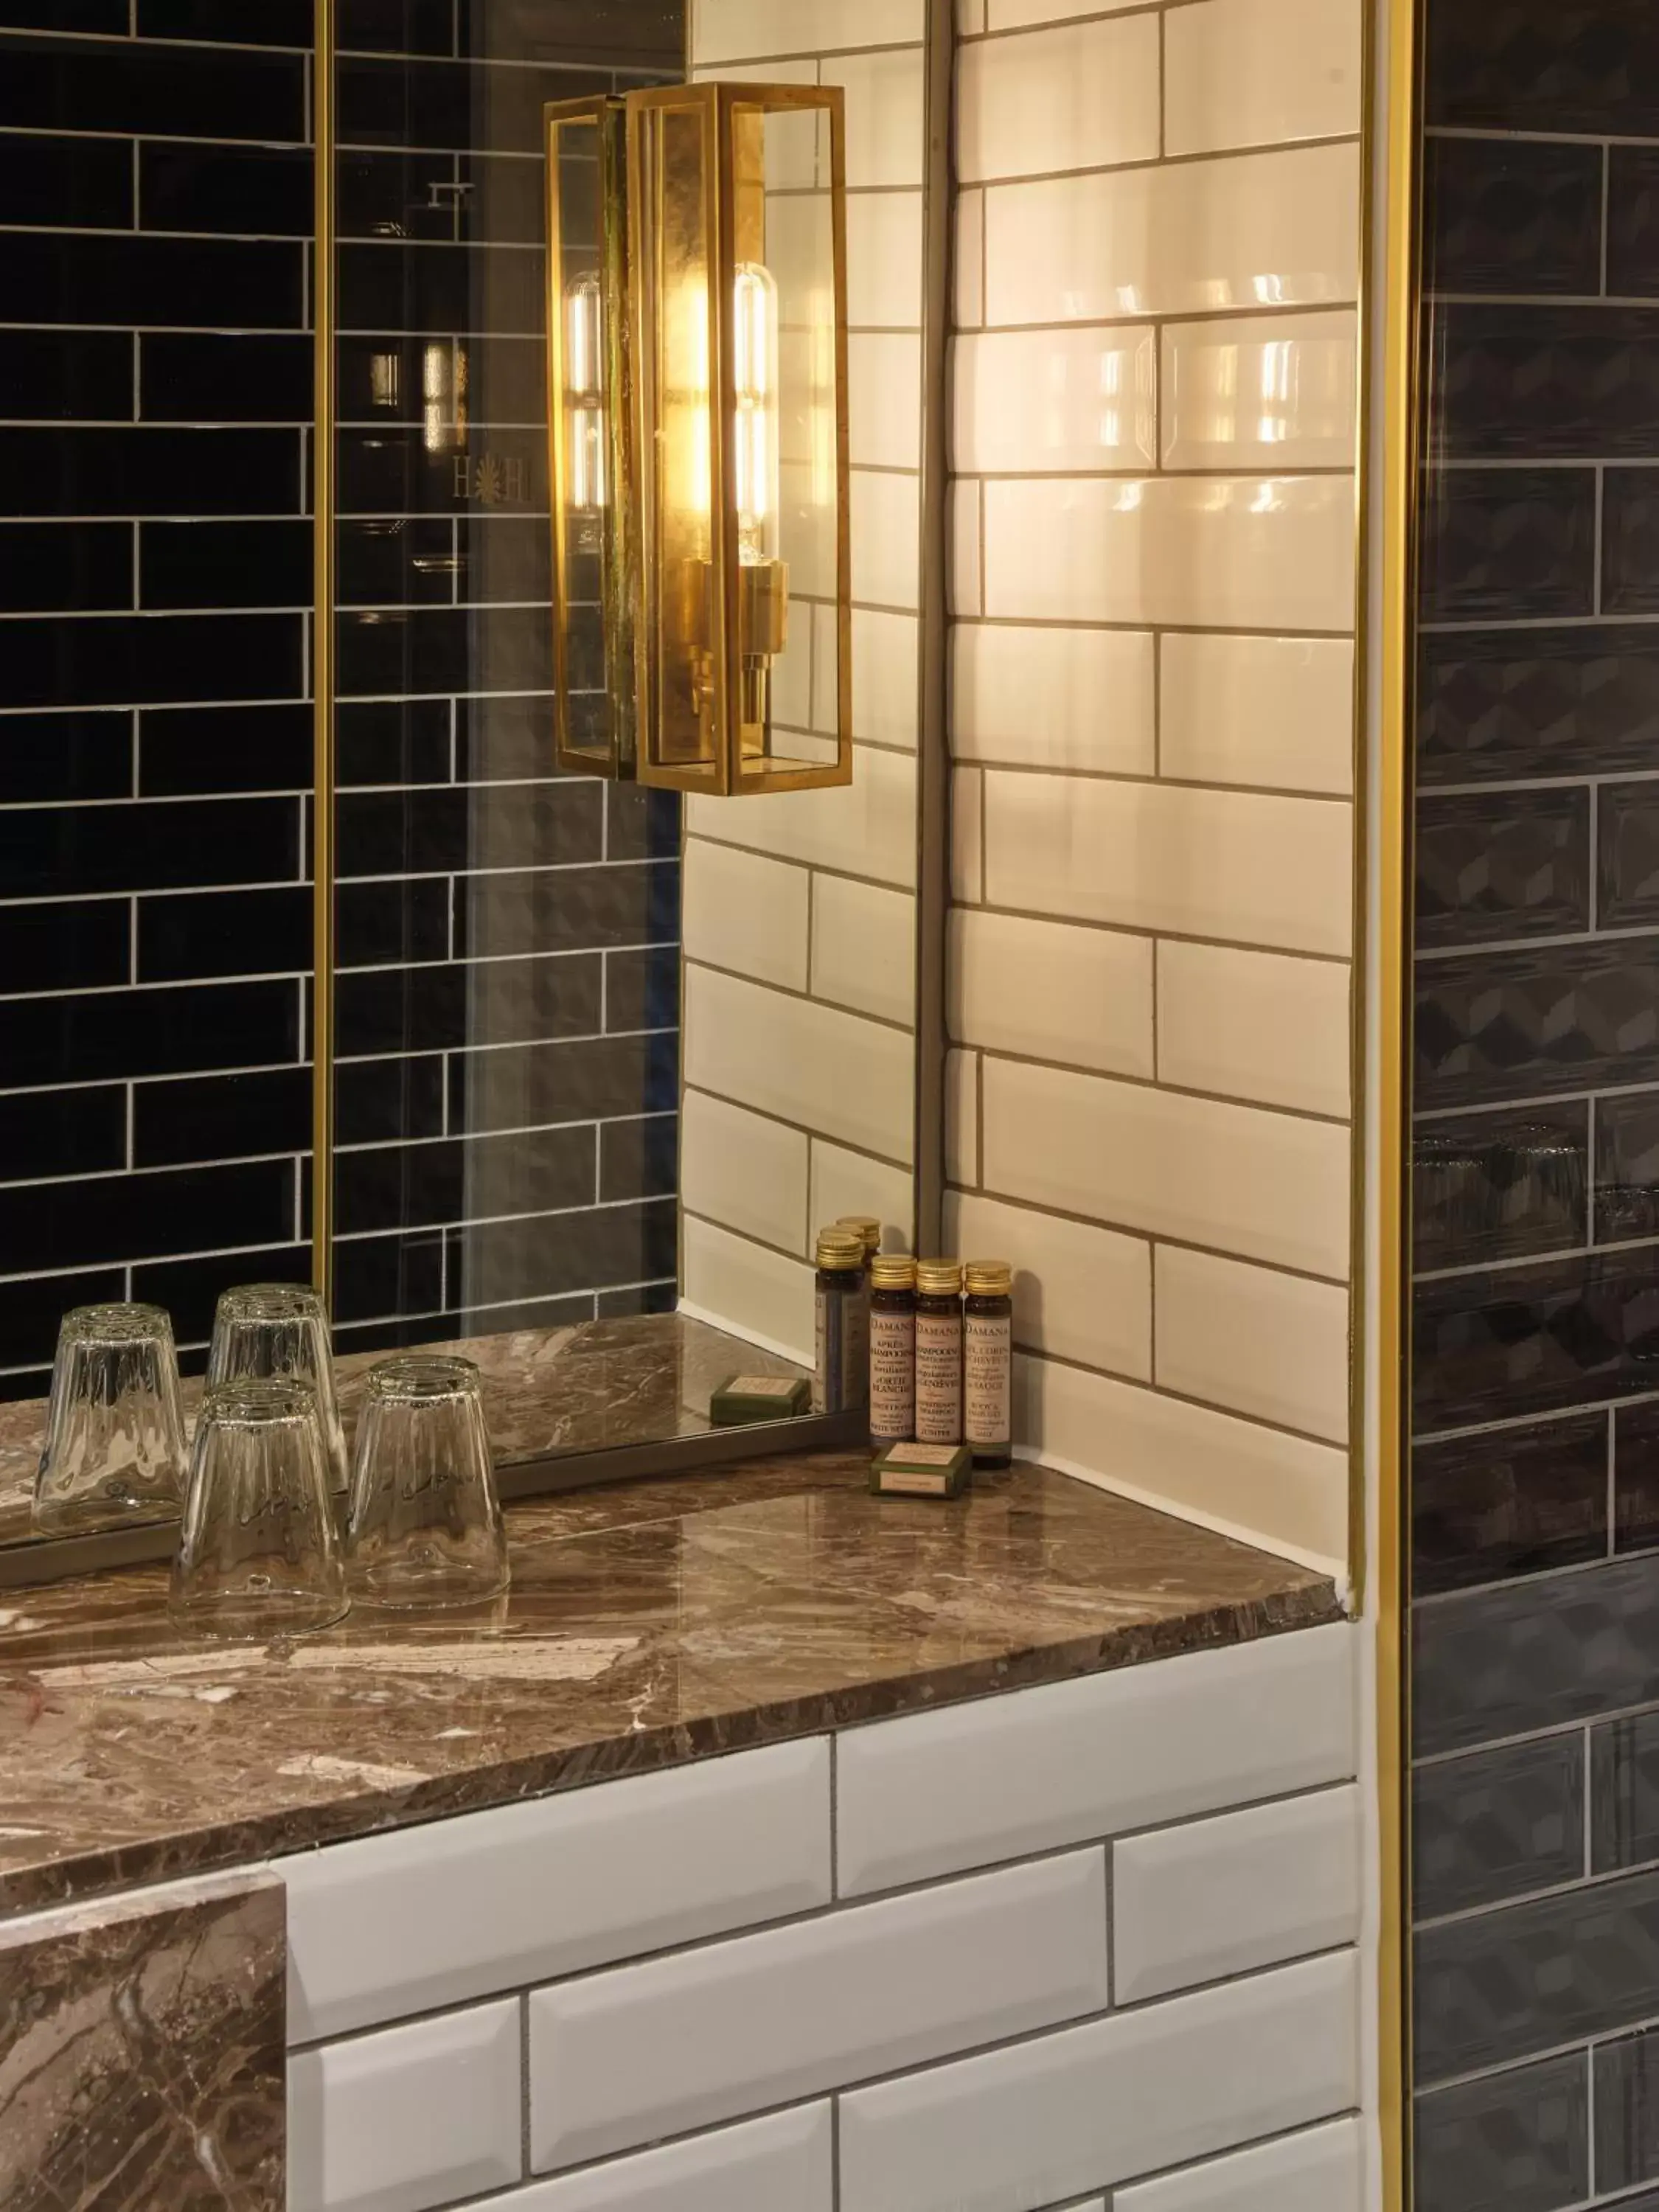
point(755, 430)
point(587, 492)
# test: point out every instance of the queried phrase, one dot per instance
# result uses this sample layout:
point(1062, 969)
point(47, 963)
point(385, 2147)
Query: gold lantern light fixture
point(697, 410)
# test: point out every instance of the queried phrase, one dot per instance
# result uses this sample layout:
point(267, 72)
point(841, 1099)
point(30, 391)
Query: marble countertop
point(648, 1624)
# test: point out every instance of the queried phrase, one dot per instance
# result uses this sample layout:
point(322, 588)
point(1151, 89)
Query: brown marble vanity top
point(648, 1624)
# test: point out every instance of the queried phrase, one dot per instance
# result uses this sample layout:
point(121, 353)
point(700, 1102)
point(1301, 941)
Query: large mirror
point(598, 1059)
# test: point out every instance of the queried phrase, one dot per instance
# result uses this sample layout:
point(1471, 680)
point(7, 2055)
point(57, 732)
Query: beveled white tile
point(556, 1884)
point(1272, 1346)
point(689, 2039)
point(1014, 2131)
point(1269, 392)
point(968, 263)
point(1080, 96)
point(885, 110)
point(1317, 2170)
point(850, 1183)
point(1260, 73)
point(1264, 1026)
point(887, 677)
point(1237, 864)
point(1046, 401)
point(744, 1170)
point(968, 835)
point(1253, 230)
point(1223, 552)
point(886, 526)
point(1079, 1292)
point(410, 2118)
point(748, 1289)
point(863, 948)
point(745, 912)
point(1277, 711)
point(1036, 1770)
point(813, 1065)
point(748, 30)
point(1053, 698)
point(962, 1117)
point(970, 18)
point(1047, 990)
point(1228, 1896)
point(867, 827)
point(965, 587)
point(884, 399)
point(884, 261)
point(1239, 1179)
point(1012, 15)
point(785, 2163)
point(1277, 1492)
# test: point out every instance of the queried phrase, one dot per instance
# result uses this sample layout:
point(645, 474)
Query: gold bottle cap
point(867, 1225)
point(940, 1278)
point(840, 1248)
point(989, 1278)
point(893, 1271)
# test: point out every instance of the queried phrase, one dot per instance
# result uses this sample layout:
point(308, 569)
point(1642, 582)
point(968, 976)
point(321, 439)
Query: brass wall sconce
point(697, 358)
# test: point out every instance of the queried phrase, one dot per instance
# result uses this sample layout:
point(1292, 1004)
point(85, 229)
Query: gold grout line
point(323, 670)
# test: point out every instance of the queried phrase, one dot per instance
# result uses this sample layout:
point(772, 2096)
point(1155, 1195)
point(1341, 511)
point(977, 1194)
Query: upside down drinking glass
point(425, 1524)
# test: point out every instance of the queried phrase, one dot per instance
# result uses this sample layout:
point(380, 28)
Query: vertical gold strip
point(1397, 506)
point(322, 666)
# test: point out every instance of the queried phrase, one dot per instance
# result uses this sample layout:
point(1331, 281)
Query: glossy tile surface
point(141, 2053)
point(647, 1625)
point(1517, 2142)
point(1277, 392)
point(1497, 1823)
point(1260, 73)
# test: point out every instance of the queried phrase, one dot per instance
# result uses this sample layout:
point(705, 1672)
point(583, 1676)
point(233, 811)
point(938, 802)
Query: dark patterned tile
point(1496, 1345)
point(1508, 1502)
point(1502, 863)
point(1502, 1185)
point(1513, 704)
point(1515, 215)
point(1627, 862)
point(1569, 66)
point(1629, 542)
point(1633, 220)
point(142, 2058)
point(1626, 2112)
point(1517, 2142)
point(1534, 382)
point(1627, 1167)
point(1512, 544)
point(1496, 1824)
point(1509, 1984)
point(1636, 1477)
point(1625, 1797)
point(1528, 1655)
point(1500, 1026)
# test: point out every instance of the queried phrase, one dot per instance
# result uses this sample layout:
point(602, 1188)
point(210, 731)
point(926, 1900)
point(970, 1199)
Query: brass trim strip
point(1401, 59)
point(322, 665)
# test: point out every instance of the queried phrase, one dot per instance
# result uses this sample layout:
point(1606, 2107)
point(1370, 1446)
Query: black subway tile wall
point(1534, 1467)
point(506, 938)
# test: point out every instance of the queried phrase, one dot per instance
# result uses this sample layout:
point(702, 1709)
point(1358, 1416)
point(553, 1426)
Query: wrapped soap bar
point(758, 1398)
point(921, 1470)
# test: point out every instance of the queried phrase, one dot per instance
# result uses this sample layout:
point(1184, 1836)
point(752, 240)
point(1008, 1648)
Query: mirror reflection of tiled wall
point(1534, 1473)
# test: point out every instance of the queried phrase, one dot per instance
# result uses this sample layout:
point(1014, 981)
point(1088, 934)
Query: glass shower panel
point(507, 977)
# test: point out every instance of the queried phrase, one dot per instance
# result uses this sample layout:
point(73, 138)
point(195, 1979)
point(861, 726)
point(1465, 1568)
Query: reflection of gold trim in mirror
point(737, 259)
point(590, 425)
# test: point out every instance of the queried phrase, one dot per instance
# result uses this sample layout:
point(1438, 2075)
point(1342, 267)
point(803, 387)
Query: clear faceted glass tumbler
point(115, 1449)
point(425, 1524)
point(262, 1330)
point(259, 1558)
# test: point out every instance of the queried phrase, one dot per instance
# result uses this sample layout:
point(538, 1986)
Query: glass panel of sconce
point(697, 381)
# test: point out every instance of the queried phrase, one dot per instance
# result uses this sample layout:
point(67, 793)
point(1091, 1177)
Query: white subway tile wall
point(1153, 436)
point(1119, 1955)
point(814, 893)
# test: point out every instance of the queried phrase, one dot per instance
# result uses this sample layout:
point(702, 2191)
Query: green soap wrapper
point(922, 1471)
point(758, 1398)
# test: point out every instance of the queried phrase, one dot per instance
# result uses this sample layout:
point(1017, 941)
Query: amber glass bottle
point(841, 1376)
point(938, 1351)
point(892, 1349)
point(987, 1361)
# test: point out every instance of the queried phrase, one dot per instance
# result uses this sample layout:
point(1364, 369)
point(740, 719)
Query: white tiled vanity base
point(1084, 1948)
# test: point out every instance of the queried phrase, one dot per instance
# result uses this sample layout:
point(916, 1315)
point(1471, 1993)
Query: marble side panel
point(141, 2052)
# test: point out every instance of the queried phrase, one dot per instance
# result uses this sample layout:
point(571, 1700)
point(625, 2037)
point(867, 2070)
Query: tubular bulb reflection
point(587, 491)
point(764, 579)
